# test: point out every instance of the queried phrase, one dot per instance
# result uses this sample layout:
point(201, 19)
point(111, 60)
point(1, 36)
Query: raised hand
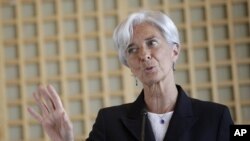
point(53, 118)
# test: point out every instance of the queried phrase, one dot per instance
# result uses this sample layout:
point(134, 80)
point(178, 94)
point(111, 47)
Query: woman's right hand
point(54, 119)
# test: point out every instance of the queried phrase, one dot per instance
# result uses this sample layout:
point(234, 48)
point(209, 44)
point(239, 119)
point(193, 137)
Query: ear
point(175, 51)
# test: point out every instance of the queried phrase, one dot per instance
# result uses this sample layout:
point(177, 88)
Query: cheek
point(133, 65)
point(163, 57)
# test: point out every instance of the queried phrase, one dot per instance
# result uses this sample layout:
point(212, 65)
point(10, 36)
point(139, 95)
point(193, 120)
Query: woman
point(148, 44)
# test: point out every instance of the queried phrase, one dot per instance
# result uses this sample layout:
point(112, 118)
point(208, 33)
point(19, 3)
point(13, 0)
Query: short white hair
point(123, 33)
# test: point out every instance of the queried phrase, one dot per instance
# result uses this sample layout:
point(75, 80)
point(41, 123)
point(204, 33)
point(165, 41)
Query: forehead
point(145, 29)
point(145, 26)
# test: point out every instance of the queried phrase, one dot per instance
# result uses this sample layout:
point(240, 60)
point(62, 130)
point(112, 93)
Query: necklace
point(162, 121)
point(162, 118)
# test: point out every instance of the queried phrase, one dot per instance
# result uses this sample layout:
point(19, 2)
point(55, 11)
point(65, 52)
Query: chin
point(154, 79)
point(150, 82)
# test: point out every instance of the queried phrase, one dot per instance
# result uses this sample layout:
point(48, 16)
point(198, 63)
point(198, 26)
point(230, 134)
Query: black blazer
point(192, 120)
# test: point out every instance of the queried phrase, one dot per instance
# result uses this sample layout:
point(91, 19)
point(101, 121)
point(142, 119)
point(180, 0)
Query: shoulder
point(208, 108)
point(211, 114)
point(206, 104)
point(198, 107)
point(115, 110)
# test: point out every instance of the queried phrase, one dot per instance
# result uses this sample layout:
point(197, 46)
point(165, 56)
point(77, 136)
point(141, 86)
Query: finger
point(66, 121)
point(40, 103)
point(45, 94)
point(67, 127)
point(54, 97)
point(34, 114)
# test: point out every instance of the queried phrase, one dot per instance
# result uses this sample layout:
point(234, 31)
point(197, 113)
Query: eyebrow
point(130, 45)
point(150, 38)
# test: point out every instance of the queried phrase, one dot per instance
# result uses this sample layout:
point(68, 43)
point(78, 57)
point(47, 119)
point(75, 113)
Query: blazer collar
point(133, 121)
point(181, 121)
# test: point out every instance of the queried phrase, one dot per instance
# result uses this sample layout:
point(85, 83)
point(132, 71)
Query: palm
point(53, 119)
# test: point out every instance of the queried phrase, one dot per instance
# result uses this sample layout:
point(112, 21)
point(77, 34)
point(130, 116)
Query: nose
point(145, 54)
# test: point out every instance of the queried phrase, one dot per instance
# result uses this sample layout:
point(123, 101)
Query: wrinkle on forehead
point(140, 28)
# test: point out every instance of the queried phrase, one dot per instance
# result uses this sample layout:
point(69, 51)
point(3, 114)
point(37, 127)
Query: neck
point(160, 97)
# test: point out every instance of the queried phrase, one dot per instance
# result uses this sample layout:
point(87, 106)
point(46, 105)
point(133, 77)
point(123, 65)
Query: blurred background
point(68, 43)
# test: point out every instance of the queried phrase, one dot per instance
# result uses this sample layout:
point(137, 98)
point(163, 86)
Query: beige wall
point(68, 43)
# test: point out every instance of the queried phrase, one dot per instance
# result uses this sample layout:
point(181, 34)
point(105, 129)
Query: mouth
point(150, 69)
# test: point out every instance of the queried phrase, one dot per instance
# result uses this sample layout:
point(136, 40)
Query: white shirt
point(159, 129)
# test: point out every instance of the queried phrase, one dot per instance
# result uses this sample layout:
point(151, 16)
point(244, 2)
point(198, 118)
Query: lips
point(150, 69)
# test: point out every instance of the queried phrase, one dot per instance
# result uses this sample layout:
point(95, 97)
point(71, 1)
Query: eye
point(131, 50)
point(152, 43)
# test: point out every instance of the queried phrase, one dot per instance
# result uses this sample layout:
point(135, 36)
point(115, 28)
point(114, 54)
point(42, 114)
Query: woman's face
point(149, 56)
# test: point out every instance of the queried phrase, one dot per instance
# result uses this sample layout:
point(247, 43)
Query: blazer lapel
point(133, 122)
point(182, 119)
point(134, 126)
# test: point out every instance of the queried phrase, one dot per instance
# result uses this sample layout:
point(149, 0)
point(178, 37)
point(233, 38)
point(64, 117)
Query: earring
point(173, 66)
point(136, 82)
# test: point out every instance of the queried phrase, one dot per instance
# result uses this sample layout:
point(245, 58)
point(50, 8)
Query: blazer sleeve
point(98, 130)
point(224, 126)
